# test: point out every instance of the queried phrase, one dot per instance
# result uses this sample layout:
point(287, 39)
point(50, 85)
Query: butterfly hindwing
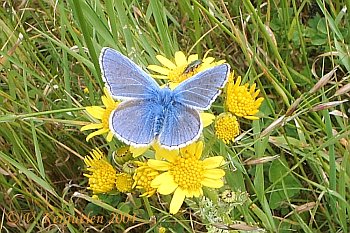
point(124, 78)
point(133, 122)
point(201, 90)
point(182, 125)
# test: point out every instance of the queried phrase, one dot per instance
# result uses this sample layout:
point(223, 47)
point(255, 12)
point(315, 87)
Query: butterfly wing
point(133, 122)
point(124, 78)
point(201, 90)
point(181, 127)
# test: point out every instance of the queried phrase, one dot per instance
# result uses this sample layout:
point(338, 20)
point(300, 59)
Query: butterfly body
point(150, 113)
point(164, 101)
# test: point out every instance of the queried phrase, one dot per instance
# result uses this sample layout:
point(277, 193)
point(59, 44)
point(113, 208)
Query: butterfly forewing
point(133, 122)
point(181, 126)
point(124, 78)
point(201, 90)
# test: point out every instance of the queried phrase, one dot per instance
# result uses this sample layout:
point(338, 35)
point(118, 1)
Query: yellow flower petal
point(259, 101)
point(207, 118)
point(158, 165)
point(176, 202)
point(98, 132)
point(164, 153)
point(199, 149)
point(238, 81)
point(251, 117)
point(213, 162)
point(255, 94)
point(105, 100)
point(95, 111)
point(91, 126)
point(220, 62)
point(173, 85)
point(212, 183)
point(192, 57)
point(163, 178)
point(252, 88)
point(137, 151)
point(208, 60)
point(158, 69)
point(108, 101)
point(106, 92)
point(109, 136)
point(160, 76)
point(166, 62)
point(214, 173)
point(167, 188)
point(180, 58)
point(253, 112)
point(190, 149)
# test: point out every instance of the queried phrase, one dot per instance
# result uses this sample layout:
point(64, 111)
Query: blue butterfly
point(152, 113)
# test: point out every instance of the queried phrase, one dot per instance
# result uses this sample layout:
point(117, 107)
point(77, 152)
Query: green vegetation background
point(49, 54)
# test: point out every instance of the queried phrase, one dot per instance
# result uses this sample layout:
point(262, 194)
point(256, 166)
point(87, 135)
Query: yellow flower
point(124, 182)
point(103, 115)
point(102, 174)
point(226, 127)
point(143, 177)
point(183, 68)
point(185, 175)
point(241, 101)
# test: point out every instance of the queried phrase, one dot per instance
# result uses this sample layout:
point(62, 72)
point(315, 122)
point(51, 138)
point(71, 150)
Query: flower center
point(124, 182)
point(241, 102)
point(102, 178)
point(143, 178)
point(188, 172)
point(226, 127)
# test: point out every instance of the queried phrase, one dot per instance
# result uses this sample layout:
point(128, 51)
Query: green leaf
point(321, 26)
point(92, 209)
point(125, 207)
point(113, 200)
point(317, 40)
point(289, 185)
